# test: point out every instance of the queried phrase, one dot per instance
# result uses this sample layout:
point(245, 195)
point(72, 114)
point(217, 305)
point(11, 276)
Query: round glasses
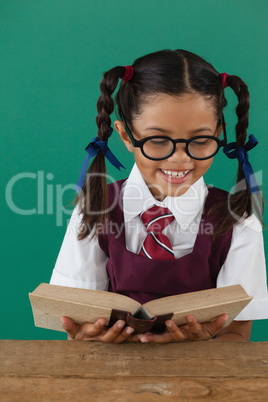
point(160, 147)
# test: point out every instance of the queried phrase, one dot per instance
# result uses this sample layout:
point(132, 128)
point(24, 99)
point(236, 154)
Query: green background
point(52, 56)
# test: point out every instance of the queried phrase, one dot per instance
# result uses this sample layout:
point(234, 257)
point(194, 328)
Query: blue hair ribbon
point(93, 148)
point(233, 151)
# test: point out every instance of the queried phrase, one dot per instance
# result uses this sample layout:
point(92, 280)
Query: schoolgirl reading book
point(163, 231)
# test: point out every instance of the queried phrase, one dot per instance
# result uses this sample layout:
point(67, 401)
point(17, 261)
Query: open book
point(50, 302)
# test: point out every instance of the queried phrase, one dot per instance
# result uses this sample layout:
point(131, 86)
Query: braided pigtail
point(242, 203)
point(93, 199)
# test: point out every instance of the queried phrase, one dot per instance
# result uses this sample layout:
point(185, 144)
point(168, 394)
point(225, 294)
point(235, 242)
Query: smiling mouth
point(175, 174)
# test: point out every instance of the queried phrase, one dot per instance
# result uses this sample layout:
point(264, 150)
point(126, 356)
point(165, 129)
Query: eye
point(201, 142)
point(160, 141)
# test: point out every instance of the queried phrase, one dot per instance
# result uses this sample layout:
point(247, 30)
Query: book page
point(205, 314)
point(230, 300)
point(50, 302)
point(47, 312)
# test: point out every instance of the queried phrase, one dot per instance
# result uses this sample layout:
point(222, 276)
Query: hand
point(192, 331)
point(98, 332)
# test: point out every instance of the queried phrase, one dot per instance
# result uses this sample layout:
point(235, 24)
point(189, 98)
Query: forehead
point(188, 111)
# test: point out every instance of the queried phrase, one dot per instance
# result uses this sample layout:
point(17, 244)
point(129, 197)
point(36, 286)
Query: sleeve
point(245, 265)
point(80, 264)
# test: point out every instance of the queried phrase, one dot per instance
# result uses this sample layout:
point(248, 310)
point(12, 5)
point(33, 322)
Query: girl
point(163, 231)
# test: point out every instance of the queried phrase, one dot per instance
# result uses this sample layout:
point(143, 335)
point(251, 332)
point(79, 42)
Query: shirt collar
point(138, 198)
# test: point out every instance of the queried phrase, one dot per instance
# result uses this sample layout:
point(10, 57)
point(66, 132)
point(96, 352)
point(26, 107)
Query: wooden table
point(84, 371)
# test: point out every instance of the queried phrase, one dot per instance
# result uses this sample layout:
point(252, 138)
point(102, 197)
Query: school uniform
point(111, 261)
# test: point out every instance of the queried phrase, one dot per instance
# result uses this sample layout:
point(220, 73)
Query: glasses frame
point(140, 143)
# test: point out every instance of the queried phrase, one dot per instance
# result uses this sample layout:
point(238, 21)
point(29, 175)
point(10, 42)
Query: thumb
point(218, 324)
point(69, 326)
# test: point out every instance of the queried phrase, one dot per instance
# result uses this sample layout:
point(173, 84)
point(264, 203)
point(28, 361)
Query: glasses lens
point(203, 147)
point(158, 147)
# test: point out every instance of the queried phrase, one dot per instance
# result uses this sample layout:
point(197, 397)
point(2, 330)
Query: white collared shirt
point(82, 264)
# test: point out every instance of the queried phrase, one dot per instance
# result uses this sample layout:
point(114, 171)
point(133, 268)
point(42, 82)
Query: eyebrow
point(162, 130)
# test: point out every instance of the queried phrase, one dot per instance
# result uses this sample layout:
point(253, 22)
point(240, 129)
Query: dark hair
point(174, 73)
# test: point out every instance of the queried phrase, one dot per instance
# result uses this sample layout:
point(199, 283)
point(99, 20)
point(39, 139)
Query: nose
point(179, 154)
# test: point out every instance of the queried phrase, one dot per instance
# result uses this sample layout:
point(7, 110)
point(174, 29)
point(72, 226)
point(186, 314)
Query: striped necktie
point(157, 246)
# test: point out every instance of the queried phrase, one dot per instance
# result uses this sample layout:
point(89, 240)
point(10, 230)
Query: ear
point(120, 128)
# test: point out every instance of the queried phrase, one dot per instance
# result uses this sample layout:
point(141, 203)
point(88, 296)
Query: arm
point(245, 265)
point(80, 264)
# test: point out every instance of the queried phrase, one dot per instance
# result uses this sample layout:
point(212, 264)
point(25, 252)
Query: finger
point(215, 326)
point(206, 330)
point(134, 338)
point(124, 335)
point(178, 333)
point(164, 337)
point(221, 320)
point(113, 332)
point(91, 331)
point(70, 326)
point(194, 329)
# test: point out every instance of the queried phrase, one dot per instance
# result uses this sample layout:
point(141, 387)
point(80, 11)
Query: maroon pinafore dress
point(144, 279)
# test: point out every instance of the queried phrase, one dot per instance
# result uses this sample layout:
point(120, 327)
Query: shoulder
point(114, 213)
point(217, 199)
point(216, 193)
point(218, 207)
point(116, 186)
point(245, 223)
point(249, 226)
point(115, 190)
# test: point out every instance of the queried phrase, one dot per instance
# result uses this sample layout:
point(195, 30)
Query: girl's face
point(176, 117)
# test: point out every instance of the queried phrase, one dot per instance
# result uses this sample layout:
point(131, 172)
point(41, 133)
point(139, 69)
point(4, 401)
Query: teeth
point(177, 175)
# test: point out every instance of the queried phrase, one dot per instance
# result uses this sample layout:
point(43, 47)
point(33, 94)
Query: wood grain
point(93, 371)
point(133, 389)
